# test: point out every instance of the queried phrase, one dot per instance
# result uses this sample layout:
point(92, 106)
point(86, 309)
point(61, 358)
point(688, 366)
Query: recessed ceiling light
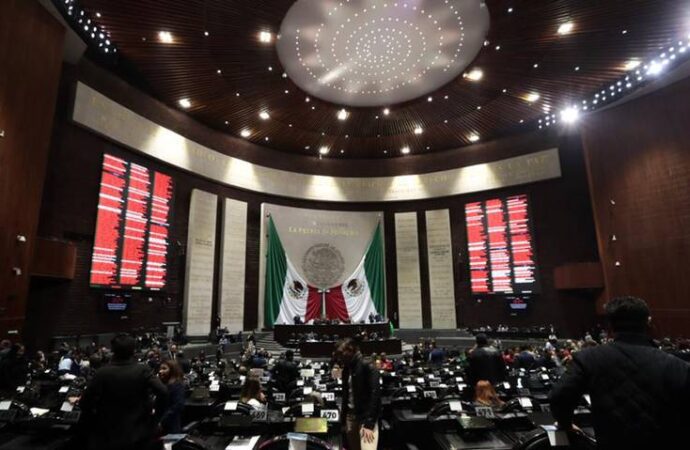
point(324, 150)
point(266, 139)
point(405, 150)
point(343, 114)
point(205, 33)
point(342, 151)
point(510, 10)
point(570, 115)
point(264, 115)
point(386, 111)
point(474, 75)
point(498, 47)
point(185, 103)
point(266, 37)
point(165, 37)
point(245, 133)
point(219, 71)
point(430, 99)
point(418, 130)
point(566, 28)
point(655, 68)
point(307, 99)
point(536, 65)
point(532, 97)
point(632, 64)
point(474, 137)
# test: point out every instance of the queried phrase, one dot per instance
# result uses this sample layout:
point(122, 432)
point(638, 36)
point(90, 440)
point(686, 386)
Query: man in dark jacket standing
point(639, 394)
point(285, 371)
point(485, 363)
point(117, 410)
point(361, 398)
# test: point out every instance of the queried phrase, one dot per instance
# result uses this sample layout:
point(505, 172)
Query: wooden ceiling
point(217, 62)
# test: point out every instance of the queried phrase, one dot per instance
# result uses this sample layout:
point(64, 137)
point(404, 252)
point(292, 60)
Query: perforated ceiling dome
point(379, 52)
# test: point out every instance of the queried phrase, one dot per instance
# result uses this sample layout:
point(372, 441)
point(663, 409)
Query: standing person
point(485, 363)
point(361, 398)
point(285, 371)
point(14, 368)
point(639, 394)
point(171, 375)
point(115, 407)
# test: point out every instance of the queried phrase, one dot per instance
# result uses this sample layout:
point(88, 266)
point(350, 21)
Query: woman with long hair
point(171, 375)
point(485, 395)
point(252, 394)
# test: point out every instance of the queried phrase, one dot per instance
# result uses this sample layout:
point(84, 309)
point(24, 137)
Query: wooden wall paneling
point(31, 52)
point(588, 275)
point(424, 269)
point(638, 166)
point(54, 259)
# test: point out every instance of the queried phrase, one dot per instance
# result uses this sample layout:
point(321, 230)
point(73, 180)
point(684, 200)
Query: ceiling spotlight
point(342, 114)
point(185, 103)
point(474, 75)
point(430, 99)
point(532, 97)
point(474, 137)
point(266, 37)
point(566, 28)
point(386, 111)
point(324, 150)
point(165, 37)
point(655, 68)
point(570, 115)
point(307, 99)
point(632, 64)
point(405, 150)
point(418, 130)
point(245, 133)
point(264, 115)
point(206, 33)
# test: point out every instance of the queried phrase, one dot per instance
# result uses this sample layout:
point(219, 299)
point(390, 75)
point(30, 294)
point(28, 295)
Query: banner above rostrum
point(97, 112)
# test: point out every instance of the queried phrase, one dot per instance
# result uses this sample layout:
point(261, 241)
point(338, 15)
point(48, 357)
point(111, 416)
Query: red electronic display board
point(132, 227)
point(501, 247)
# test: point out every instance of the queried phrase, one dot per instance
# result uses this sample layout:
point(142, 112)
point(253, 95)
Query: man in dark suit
point(117, 411)
point(485, 363)
point(361, 397)
point(285, 371)
point(639, 394)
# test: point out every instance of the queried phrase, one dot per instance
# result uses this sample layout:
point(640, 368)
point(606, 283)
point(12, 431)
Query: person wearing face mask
point(171, 375)
point(361, 397)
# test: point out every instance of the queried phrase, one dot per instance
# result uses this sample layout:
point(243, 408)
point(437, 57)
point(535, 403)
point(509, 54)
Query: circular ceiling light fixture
point(379, 52)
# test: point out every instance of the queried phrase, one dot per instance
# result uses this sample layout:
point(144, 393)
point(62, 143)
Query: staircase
point(265, 340)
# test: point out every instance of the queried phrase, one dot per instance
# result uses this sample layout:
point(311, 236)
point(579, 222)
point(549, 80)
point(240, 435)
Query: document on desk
point(241, 443)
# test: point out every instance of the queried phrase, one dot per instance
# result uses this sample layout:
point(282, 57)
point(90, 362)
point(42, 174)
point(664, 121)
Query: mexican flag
point(287, 293)
point(363, 292)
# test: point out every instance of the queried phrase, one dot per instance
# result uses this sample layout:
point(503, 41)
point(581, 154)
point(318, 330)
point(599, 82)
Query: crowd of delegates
point(120, 379)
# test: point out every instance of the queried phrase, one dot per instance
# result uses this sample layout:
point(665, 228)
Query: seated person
point(485, 395)
point(252, 394)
